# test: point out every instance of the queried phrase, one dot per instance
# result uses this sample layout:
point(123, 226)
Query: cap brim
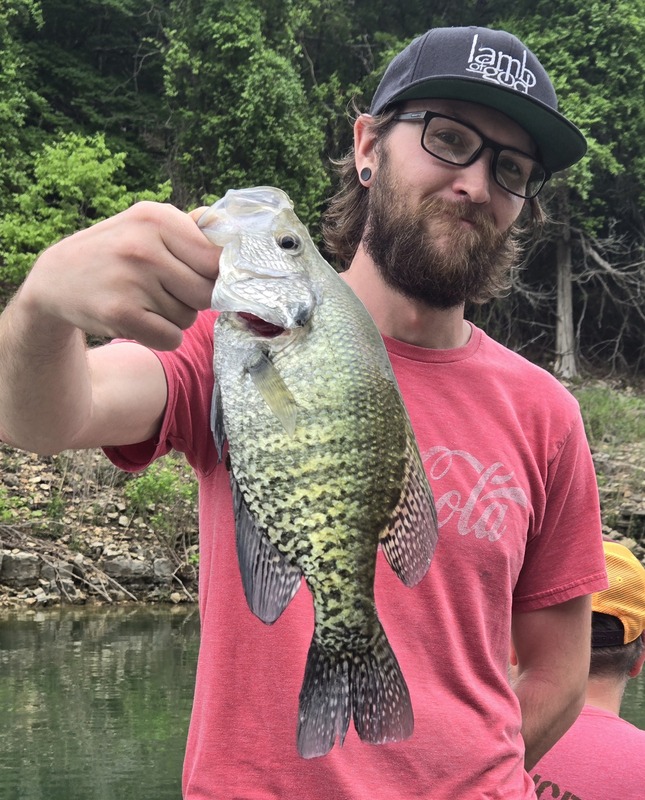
point(559, 142)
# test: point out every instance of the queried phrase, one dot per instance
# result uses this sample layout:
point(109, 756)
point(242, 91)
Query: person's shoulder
point(609, 720)
point(638, 734)
point(525, 377)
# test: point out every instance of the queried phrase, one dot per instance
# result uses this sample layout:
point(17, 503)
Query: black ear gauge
point(365, 174)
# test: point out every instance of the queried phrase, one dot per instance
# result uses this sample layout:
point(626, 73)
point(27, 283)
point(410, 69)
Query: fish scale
point(324, 464)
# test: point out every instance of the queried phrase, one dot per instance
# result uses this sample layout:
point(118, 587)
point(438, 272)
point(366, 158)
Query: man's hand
point(142, 274)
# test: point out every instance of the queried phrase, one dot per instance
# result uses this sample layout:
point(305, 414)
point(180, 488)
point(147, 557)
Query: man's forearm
point(44, 381)
point(549, 676)
point(549, 708)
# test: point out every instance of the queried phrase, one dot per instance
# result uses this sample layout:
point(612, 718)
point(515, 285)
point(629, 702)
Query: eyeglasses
point(457, 143)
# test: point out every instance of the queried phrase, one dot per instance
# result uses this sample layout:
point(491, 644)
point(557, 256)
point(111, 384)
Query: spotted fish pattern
point(324, 464)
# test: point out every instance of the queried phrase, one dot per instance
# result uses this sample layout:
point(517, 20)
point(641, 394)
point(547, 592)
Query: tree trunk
point(566, 365)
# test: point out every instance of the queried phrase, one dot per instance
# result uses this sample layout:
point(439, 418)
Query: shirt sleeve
point(186, 422)
point(564, 558)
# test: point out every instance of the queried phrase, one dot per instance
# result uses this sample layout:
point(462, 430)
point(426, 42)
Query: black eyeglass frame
point(427, 116)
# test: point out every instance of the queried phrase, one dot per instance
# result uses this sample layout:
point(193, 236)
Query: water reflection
point(94, 704)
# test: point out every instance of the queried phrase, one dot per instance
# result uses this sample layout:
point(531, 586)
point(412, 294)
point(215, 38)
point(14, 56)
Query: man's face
point(438, 232)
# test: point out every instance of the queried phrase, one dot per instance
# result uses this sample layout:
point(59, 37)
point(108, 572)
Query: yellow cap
point(625, 597)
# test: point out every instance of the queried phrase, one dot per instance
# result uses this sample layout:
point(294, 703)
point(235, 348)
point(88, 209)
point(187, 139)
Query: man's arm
point(140, 275)
point(552, 649)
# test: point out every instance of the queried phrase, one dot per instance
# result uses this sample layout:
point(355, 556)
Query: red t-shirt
point(515, 489)
point(600, 757)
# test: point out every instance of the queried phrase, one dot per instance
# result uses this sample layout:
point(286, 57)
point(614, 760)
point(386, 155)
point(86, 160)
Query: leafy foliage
point(596, 59)
point(17, 94)
point(166, 496)
point(100, 71)
point(240, 114)
point(205, 95)
point(76, 181)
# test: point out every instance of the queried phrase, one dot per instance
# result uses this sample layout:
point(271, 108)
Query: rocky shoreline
point(35, 574)
point(70, 534)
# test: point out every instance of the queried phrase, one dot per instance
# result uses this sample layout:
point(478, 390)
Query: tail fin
point(368, 684)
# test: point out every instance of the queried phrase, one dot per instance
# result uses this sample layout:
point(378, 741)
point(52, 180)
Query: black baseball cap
point(489, 67)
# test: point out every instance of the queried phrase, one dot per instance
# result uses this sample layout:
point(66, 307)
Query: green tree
point(240, 113)
point(76, 181)
point(98, 68)
point(16, 96)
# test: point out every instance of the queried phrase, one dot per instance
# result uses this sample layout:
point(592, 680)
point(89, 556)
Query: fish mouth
point(259, 326)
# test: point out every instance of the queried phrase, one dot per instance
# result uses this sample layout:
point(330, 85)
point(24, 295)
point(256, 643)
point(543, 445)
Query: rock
point(57, 569)
point(175, 597)
point(41, 596)
point(19, 568)
point(125, 569)
point(163, 569)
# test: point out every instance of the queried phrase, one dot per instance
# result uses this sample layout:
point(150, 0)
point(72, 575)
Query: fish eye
point(289, 242)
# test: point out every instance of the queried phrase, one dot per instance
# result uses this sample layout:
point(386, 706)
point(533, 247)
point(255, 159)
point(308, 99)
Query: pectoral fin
point(274, 390)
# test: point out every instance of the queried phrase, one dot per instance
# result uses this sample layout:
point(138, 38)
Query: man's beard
point(428, 254)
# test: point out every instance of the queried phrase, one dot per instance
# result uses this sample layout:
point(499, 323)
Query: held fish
point(324, 462)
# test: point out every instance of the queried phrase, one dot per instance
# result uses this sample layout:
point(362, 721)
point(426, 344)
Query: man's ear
point(638, 666)
point(365, 144)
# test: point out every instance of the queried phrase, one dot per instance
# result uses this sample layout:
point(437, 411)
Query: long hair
point(344, 220)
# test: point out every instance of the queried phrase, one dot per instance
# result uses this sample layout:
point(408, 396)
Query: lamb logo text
point(498, 67)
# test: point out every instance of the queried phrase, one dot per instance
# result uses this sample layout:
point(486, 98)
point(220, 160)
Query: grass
point(610, 415)
point(165, 495)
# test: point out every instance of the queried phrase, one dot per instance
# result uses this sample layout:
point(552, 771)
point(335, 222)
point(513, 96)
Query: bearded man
point(461, 136)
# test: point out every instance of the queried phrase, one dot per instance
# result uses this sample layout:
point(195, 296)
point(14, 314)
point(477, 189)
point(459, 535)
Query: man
point(602, 755)
point(462, 133)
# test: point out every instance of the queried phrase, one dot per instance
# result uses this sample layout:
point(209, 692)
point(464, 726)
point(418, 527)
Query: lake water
point(94, 703)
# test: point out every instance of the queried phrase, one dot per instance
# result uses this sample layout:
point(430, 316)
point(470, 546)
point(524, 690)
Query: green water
point(633, 707)
point(94, 704)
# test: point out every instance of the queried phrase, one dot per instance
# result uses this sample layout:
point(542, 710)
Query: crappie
point(323, 460)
